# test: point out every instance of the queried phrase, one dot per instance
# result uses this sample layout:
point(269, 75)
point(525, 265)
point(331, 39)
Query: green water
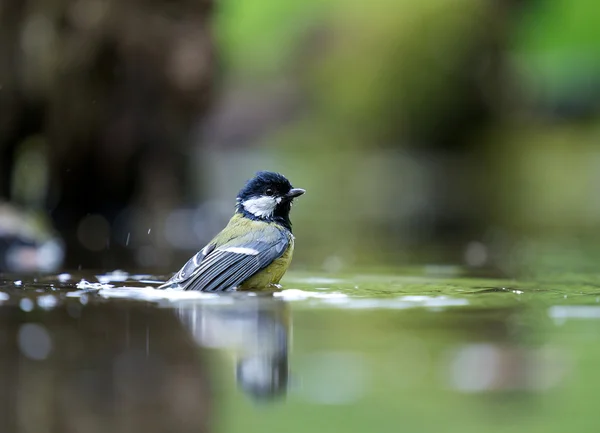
point(428, 350)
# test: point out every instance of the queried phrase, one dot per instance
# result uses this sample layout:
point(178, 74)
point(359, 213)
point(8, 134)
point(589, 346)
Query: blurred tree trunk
point(114, 89)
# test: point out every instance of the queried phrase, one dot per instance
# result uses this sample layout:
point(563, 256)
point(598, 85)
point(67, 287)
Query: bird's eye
point(269, 191)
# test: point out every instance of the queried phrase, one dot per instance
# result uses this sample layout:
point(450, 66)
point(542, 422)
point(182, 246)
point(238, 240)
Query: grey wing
point(190, 269)
point(235, 261)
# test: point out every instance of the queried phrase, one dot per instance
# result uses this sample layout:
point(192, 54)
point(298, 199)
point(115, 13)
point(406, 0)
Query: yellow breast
point(273, 273)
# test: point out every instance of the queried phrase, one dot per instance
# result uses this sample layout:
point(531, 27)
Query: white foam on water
point(321, 298)
point(296, 294)
point(152, 294)
point(84, 284)
point(116, 276)
point(399, 303)
point(434, 301)
point(341, 300)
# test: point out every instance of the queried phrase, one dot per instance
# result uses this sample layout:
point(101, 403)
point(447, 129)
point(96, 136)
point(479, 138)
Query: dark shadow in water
point(256, 331)
point(106, 367)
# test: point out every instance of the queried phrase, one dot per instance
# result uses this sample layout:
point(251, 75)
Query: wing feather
point(230, 264)
point(242, 273)
point(222, 282)
point(211, 271)
point(190, 269)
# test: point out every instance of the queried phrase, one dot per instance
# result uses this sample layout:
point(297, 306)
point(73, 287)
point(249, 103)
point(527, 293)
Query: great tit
point(254, 250)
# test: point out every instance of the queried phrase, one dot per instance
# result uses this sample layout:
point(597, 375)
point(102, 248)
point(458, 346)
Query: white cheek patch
point(241, 250)
point(261, 207)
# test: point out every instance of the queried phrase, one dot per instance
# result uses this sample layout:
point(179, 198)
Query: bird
point(254, 250)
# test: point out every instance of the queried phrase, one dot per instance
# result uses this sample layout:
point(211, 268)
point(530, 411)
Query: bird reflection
point(255, 330)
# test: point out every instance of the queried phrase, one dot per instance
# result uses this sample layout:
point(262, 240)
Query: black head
point(268, 196)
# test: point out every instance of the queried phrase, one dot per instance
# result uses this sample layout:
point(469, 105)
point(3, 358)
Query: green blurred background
point(441, 131)
point(456, 132)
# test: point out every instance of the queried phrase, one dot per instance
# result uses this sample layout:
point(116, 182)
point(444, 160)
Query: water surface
point(421, 351)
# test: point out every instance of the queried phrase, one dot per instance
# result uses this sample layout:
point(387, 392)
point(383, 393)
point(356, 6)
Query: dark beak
point(295, 192)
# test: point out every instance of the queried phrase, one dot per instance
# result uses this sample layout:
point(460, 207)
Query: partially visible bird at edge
point(254, 250)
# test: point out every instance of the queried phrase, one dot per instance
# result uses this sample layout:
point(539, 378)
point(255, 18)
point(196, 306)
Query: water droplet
point(26, 304)
point(476, 254)
point(63, 278)
point(47, 302)
point(34, 341)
